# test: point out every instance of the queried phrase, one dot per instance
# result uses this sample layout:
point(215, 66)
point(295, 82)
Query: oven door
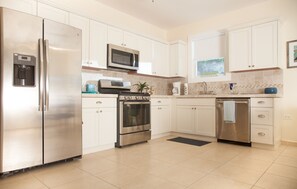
point(135, 116)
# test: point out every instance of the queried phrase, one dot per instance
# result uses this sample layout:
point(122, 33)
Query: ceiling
point(168, 14)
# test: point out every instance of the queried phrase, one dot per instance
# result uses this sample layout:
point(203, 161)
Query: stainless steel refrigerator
point(40, 91)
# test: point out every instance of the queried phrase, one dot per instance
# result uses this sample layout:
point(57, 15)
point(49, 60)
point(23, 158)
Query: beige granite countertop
point(99, 95)
point(220, 96)
point(191, 96)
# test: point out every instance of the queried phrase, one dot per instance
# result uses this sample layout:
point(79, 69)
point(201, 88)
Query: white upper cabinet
point(98, 44)
point(145, 56)
point(178, 59)
point(119, 37)
point(240, 49)
point(94, 41)
point(27, 6)
point(253, 47)
point(264, 45)
point(160, 59)
point(51, 13)
point(83, 24)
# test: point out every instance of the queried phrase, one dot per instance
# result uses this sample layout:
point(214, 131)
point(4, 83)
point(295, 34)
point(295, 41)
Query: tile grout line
point(268, 167)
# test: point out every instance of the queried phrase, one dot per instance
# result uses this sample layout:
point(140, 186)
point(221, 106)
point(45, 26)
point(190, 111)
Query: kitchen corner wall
point(285, 12)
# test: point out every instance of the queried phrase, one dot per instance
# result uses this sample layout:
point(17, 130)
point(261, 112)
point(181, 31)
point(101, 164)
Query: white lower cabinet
point(160, 116)
point(196, 116)
point(185, 119)
point(99, 124)
point(265, 120)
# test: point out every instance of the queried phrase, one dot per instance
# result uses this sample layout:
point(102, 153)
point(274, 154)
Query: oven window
point(136, 114)
point(122, 58)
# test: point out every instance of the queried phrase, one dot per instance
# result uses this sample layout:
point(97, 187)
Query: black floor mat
point(189, 141)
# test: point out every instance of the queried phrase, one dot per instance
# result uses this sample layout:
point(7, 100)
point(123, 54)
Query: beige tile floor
point(161, 164)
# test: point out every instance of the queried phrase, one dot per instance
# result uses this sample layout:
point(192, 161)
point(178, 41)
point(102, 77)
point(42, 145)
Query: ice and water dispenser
point(24, 70)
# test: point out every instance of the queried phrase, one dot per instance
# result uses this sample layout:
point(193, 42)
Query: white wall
point(97, 11)
point(286, 12)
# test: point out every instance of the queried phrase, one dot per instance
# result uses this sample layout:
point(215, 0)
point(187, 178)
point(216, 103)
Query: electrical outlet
point(287, 117)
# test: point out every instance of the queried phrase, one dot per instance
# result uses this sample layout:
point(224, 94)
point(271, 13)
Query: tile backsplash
point(161, 86)
point(246, 82)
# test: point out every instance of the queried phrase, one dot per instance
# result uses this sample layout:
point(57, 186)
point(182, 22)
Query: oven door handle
point(125, 102)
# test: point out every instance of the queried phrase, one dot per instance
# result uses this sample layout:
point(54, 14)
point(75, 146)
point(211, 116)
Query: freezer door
point(21, 121)
point(63, 112)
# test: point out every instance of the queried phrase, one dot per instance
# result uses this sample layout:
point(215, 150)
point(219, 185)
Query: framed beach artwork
point(292, 54)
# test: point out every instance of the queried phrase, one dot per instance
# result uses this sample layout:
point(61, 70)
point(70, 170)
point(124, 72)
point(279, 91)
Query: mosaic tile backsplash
point(246, 82)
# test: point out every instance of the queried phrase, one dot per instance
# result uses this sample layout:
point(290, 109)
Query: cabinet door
point(107, 126)
point(160, 59)
point(185, 119)
point(205, 119)
point(51, 13)
point(131, 41)
point(264, 45)
point(83, 24)
point(115, 36)
point(90, 129)
point(26, 6)
point(240, 49)
point(178, 60)
point(98, 44)
point(145, 56)
point(160, 119)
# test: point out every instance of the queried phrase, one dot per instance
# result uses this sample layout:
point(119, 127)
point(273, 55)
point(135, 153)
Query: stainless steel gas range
point(134, 112)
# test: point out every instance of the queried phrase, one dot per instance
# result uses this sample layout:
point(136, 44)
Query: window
point(208, 57)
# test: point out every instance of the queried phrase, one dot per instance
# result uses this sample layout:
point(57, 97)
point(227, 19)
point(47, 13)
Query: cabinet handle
point(261, 102)
point(261, 116)
point(159, 108)
point(159, 101)
point(100, 111)
point(261, 134)
point(98, 102)
point(249, 66)
point(253, 65)
point(97, 111)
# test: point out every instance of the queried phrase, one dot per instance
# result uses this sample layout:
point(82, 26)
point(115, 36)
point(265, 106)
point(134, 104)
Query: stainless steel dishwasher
point(233, 120)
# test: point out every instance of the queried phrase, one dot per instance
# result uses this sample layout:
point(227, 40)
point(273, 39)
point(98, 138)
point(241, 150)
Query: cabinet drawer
point(262, 134)
point(196, 101)
point(262, 116)
point(160, 101)
point(98, 102)
point(262, 102)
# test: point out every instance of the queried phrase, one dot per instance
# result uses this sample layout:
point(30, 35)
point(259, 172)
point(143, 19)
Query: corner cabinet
point(160, 116)
point(160, 59)
point(254, 47)
point(196, 116)
point(99, 117)
point(178, 59)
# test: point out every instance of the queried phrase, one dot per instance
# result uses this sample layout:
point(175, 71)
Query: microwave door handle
point(134, 61)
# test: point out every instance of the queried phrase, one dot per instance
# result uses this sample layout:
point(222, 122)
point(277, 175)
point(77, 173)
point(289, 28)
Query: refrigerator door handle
point(41, 74)
point(46, 51)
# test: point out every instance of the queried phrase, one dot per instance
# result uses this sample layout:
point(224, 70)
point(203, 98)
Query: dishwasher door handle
point(236, 102)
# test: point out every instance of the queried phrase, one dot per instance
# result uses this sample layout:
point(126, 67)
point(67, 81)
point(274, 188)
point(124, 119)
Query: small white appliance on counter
point(176, 88)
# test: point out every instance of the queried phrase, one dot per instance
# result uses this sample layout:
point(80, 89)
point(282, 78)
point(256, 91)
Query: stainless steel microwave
point(122, 57)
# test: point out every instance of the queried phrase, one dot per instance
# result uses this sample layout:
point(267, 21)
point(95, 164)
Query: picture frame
point(292, 54)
